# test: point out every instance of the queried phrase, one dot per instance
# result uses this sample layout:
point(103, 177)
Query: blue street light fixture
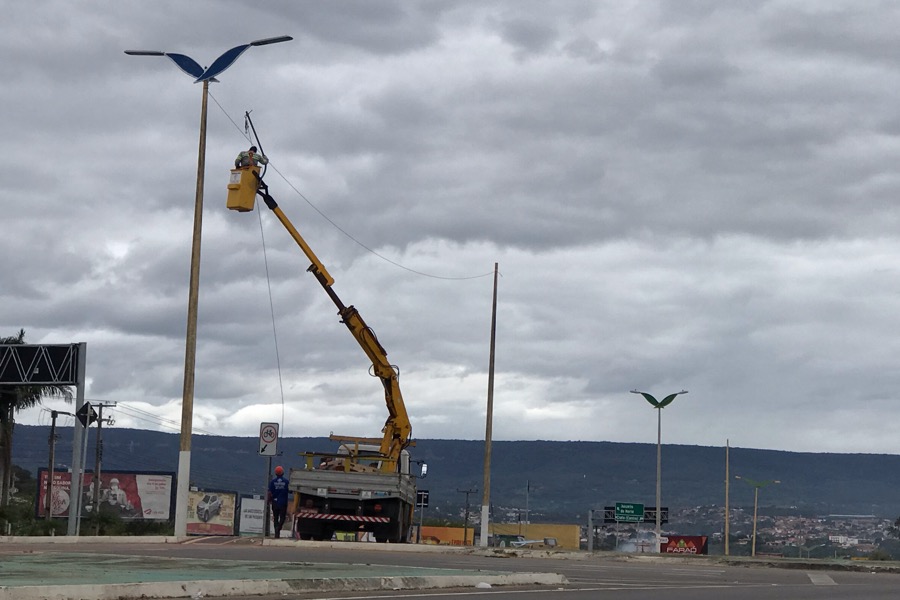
point(193, 68)
point(204, 76)
point(659, 405)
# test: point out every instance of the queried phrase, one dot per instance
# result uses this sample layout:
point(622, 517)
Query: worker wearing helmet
point(250, 157)
point(278, 499)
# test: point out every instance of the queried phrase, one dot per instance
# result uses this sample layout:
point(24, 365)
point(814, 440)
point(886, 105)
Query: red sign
point(685, 544)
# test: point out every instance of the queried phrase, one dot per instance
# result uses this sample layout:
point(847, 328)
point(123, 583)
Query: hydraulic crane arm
point(397, 429)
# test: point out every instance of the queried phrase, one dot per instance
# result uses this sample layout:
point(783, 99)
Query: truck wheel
point(381, 534)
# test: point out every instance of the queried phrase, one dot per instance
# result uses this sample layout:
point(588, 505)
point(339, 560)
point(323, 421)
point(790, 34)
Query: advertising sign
point(211, 512)
point(252, 514)
point(133, 495)
point(685, 544)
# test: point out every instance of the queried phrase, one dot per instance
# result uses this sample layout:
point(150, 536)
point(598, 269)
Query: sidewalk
point(27, 574)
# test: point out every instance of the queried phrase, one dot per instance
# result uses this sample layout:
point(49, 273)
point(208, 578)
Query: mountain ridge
point(553, 480)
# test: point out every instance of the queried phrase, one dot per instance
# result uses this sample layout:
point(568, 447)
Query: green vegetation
point(17, 517)
point(109, 522)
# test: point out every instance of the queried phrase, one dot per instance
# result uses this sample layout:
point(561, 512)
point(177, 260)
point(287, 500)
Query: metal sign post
point(268, 446)
point(422, 502)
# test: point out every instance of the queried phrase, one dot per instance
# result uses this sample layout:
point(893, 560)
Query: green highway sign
point(629, 512)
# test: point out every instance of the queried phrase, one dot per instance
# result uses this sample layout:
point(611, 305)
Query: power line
point(341, 229)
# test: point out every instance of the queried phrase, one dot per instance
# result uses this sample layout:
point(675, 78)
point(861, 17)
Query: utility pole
point(527, 493)
point(727, 484)
point(486, 496)
point(97, 460)
point(48, 505)
point(466, 524)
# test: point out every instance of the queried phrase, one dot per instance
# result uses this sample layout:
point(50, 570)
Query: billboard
point(685, 544)
point(132, 494)
point(253, 509)
point(211, 512)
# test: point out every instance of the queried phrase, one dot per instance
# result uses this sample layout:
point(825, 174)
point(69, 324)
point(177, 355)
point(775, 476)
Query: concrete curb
point(86, 539)
point(248, 587)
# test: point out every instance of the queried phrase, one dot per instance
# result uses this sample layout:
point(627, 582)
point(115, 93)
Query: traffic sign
point(422, 498)
point(629, 512)
point(86, 414)
point(268, 439)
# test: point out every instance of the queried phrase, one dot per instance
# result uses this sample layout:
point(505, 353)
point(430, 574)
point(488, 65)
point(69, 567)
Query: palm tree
point(12, 400)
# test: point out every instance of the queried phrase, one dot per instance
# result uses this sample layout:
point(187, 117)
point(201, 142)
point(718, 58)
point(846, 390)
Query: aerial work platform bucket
point(242, 189)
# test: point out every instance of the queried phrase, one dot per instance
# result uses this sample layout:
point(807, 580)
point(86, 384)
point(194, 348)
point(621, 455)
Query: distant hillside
point(564, 478)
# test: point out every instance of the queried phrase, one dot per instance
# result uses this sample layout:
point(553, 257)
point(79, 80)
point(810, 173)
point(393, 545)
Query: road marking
point(820, 579)
point(198, 540)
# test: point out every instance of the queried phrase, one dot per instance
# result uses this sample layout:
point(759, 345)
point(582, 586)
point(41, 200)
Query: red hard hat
point(279, 470)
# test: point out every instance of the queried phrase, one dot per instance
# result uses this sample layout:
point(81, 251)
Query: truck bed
point(361, 486)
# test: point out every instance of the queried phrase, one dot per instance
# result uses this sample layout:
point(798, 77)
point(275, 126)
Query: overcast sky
point(680, 195)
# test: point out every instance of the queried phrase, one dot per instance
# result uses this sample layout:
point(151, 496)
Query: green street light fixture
point(204, 76)
point(756, 486)
point(659, 405)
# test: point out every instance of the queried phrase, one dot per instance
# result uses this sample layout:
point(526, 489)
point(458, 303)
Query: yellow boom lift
point(366, 484)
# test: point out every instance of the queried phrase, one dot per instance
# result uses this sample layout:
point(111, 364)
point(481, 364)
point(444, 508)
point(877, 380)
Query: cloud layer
point(680, 195)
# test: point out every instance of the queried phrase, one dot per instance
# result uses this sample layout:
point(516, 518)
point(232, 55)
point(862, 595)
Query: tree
point(14, 398)
point(894, 531)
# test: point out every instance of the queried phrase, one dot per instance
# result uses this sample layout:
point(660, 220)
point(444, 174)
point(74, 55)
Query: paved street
point(597, 576)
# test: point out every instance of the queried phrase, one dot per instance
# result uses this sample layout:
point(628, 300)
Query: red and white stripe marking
point(356, 518)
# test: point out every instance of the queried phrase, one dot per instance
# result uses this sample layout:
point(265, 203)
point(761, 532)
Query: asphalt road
point(595, 577)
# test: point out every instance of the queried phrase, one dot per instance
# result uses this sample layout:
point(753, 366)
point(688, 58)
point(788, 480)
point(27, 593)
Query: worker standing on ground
point(278, 499)
point(250, 157)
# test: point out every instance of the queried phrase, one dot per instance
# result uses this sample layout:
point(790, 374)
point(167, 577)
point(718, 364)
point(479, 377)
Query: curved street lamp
point(756, 486)
point(659, 405)
point(201, 75)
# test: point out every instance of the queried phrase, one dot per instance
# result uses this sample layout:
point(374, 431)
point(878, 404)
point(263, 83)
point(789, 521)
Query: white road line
point(820, 579)
point(509, 592)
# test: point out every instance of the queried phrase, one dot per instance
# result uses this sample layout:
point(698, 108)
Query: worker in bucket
point(251, 157)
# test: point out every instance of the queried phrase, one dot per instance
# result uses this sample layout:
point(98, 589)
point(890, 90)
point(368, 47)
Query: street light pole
point(204, 75)
point(756, 486)
point(659, 405)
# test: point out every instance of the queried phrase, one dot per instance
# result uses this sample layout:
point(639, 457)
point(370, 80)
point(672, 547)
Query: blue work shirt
point(278, 491)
